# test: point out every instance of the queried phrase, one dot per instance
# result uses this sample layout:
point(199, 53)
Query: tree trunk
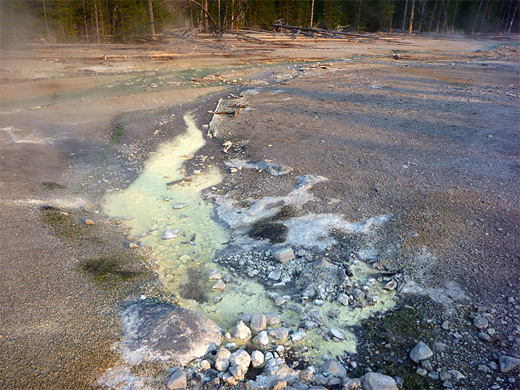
point(411, 17)
point(218, 21)
point(205, 16)
point(312, 13)
point(454, 16)
point(484, 16)
point(433, 16)
point(98, 38)
point(512, 18)
point(85, 22)
point(152, 21)
point(391, 18)
point(232, 15)
point(405, 13)
point(46, 21)
point(476, 19)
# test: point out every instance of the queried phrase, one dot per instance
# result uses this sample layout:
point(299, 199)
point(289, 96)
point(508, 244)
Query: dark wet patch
point(53, 186)
point(62, 224)
point(270, 228)
point(195, 287)
point(113, 268)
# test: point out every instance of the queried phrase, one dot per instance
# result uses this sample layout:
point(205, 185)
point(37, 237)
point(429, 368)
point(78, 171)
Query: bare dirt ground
point(430, 138)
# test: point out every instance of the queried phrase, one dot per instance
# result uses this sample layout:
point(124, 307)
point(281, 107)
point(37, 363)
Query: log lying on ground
point(319, 31)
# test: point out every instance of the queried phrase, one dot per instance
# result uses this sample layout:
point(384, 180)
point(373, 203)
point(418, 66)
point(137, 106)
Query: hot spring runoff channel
point(179, 226)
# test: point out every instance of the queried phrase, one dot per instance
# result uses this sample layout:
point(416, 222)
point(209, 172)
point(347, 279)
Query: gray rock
point(261, 339)
point(508, 363)
point(179, 205)
point(214, 275)
point(376, 381)
point(222, 359)
point(427, 365)
point(320, 263)
point(177, 380)
point(275, 274)
point(333, 367)
point(298, 336)
point(158, 332)
point(239, 361)
point(457, 375)
point(351, 384)
point(337, 334)
point(258, 322)
point(391, 285)
point(359, 295)
point(334, 382)
point(421, 371)
point(284, 255)
point(272, 318)
point(170, 234)
point(480, 322)
point(241, 332)
point(220, 286)
point(343, 299)
point(257, 358)
point(485, 336)
point(420, 352)
point(279, 333)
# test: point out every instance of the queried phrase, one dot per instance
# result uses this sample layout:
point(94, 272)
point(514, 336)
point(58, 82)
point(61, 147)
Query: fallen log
point(307, 30)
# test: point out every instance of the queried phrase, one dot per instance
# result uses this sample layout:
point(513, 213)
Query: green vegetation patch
point(53, 186)
point(117, 133)
point(62, 224)
point(114, 268)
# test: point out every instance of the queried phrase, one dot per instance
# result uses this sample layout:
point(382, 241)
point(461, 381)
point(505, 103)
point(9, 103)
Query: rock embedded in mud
point(337, 334)
point(420, 352)
point(261, 339)
point(333, 367)
point(241, 332)
point(220, 285)
point(258, 322)
point(376, 381)
point(179, 206)
point(222, 359)
point(170, 234)
point(284, 255)
point(214, 275)
point(161, 332)
point(508, 363)
point(177, 379)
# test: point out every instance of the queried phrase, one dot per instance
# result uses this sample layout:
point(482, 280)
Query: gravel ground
point(430, 138)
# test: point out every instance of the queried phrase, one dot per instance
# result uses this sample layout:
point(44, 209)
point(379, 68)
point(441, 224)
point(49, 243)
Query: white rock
point(261, 339)
point(284, 255)
point(337, 334)
point(241, 331)
point(420, 352)
point(275, 274)
point(257, 358)
point(170, 234)
point(222, 359)
point(298, 336)
point(376, 381)
point(239, 361)
point(179, 205)
point(220, 286)
point(214, 275)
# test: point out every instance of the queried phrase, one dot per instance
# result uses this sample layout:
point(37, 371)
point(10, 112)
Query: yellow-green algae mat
point(151, 208)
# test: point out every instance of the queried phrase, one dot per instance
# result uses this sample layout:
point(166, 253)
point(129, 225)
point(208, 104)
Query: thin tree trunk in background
point(232, 14)
point(454, 16)
point(98, 39)
point(46, 21)
point(411, 17)
point(433, 16)
point(445, 23)
point(512, 18)
point(312, 12)
point(85, 20)
point(404, 16)
point(205, 16)
point(391, 17)
point(438, 29)
point(152, 22)
point(484, 16)
point(476, 19)
point(218, 22)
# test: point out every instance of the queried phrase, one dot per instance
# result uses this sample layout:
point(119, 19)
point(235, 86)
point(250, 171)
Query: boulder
point(258, 322)
point(160, 332)
point(257, 358)
point(239, 361)
point(376, 381)
point(420, 352)
point(241, 332)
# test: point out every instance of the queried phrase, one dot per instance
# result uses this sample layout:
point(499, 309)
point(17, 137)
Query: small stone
point(214, 275)
point(220, 285)
point(241, 331)
point(230, 379)
point(279, 333)
point(284, 255)
point(343, 299)
point(170, 234)
point(480, 322)
point(275, 274)
point(279, 384)
point(420, 352)
point(444, 376)
point(177, 379)
point(485, 336)
point(89, 222)
point(298, 336)
point(333, 367)
point(351, 384)
point(133, 245)
point(205, 365)
point(446, 325)
point(272, 318)
point(320, 263)
point(359, 295)
point(257, 358)
point(421, 371)
point(280, 301)
point(391, 285)
point(434, 375)
point(457, 375)
point(508, 363)
point(258, 322)
point(217, 300)
point(337, 334)
point(426, 365)
point(222, 359)
point(261, 339)
point(376, 381)
point(179, 205)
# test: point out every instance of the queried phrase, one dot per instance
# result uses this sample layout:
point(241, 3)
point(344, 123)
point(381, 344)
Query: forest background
point(105, 21)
